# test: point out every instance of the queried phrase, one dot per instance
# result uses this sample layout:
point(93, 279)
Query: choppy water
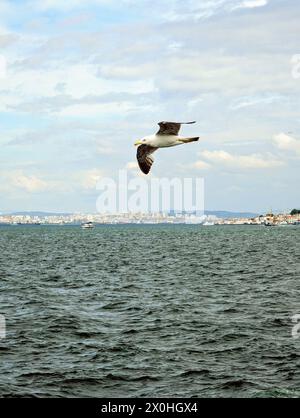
point(149, 311)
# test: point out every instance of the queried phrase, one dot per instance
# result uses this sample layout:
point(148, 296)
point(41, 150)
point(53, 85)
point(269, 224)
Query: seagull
point(167, 136)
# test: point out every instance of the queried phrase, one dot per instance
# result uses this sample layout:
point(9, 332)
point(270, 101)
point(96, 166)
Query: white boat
point(270, 223)
point(208, 223)
point(87, 225)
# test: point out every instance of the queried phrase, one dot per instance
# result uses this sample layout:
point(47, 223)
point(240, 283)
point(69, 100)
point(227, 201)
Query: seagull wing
point(145, 158)
point(171, 128)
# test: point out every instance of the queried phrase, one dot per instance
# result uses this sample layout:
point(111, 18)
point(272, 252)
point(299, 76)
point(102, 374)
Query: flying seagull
point(167, 136)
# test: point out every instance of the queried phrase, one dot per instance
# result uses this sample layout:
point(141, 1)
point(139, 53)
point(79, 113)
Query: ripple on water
point(149, 311)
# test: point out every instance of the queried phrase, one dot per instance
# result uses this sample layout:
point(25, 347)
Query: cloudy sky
point(80, 81)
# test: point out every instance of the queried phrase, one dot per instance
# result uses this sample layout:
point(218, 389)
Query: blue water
point(149, 311)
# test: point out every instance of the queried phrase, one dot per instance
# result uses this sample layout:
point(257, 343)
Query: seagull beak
point(138, 142)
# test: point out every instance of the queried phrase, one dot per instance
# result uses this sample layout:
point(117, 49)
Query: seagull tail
point(187, 140)
point(194, 139)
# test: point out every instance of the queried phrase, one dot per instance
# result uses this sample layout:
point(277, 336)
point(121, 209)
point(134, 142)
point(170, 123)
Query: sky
point(81, 81)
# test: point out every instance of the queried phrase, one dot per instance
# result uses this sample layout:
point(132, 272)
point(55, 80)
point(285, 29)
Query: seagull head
point(140, 142)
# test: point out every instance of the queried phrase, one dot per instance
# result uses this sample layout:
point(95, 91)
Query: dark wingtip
point(145, 170)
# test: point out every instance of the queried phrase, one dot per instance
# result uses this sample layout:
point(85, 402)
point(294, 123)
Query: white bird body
point(163, 141)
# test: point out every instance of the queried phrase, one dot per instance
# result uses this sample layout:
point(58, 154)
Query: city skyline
point(206, 219)
point(81, 81)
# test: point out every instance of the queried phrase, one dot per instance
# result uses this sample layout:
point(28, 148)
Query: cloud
point(18, 180)
point(173, 10)
point(82, 91)
point(88, 179)
point(287, 143)
point(201, 165)
point(28, 183)
point(104, 148)
point(132, 165)
point(15, 181)
point(252, 161)
point(3, 66)
point(128, 72)
point(86, 105)
point(250, 4)
point(65, 6)
point(7, 39)
point(207, 9)
point(250, 101)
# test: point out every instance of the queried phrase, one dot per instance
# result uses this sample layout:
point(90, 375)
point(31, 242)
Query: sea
point(150, 311)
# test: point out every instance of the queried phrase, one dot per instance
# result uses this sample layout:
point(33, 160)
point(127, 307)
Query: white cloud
point(252, 161)
point(88, 179)
point(28, 183)
point(2, 66)
point(287, 143)
point(173, 11)
point(208, 8)
point(129, 72)
point(7, 39)
point(132, 165)
point(64, 6)
point(15, 181)
point(201, 165)
point(32, 90)
point(254, 101)
point(104, 148)
point(250, 4)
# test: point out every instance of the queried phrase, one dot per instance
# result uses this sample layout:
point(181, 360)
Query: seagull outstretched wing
point(144, 157)
point(171, 128)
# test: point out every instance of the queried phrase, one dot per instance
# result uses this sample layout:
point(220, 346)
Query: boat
point(208, 223)
point(87, 225)
point(269, 223)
